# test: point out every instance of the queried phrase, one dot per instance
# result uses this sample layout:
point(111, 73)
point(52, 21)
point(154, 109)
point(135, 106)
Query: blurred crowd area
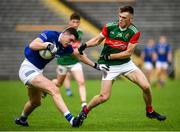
point(21, 21)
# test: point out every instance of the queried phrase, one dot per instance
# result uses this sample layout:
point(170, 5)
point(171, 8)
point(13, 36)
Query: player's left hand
point(51, 47)
point(101, 67)
point(106, 57)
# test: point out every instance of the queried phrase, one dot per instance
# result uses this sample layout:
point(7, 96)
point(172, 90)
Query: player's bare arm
point(38, 44)
point(92, 42)
point(125, 54)
point(87, 61)
point(83, 58)
point(95, 41)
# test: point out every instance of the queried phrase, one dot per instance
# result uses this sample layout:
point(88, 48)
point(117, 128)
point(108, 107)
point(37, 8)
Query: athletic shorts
point(63, 69)
point(148, 65)
point(117, 70)
point(163, 65)
point(28, 72)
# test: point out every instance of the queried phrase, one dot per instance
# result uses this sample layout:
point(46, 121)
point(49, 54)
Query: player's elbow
point(31, 45)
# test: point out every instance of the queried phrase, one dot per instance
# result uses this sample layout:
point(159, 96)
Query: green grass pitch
point(124, 111)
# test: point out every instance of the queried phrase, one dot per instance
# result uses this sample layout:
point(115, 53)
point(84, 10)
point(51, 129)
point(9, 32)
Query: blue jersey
point(148, 51)
point(162, 51)
point(47, 36)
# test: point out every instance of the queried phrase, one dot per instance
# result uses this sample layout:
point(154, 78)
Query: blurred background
point(22, 20)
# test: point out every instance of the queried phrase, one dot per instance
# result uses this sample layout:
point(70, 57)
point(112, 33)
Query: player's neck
point(122, 29)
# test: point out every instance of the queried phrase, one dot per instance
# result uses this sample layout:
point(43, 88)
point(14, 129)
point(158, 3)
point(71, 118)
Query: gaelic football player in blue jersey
point(121, 38)
point(149, 57)
point(31, 71)
point(164, 58)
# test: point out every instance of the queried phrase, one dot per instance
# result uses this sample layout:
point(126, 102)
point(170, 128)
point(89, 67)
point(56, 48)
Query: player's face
point(67, 39)
point(151, 43)
point(162, 39)
point(74, 23)
point(125, 19)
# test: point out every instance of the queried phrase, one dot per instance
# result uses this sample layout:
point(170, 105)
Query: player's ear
point(131, 18)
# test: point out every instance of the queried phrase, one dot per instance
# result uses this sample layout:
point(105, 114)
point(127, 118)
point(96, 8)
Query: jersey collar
point(122, 29)
point(59, 37)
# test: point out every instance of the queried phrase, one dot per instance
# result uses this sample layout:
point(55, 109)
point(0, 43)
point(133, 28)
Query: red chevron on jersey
point(118, 44)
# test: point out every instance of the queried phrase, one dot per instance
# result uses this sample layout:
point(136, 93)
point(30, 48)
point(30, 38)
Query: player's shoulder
point(50, 33)
point(133, 28)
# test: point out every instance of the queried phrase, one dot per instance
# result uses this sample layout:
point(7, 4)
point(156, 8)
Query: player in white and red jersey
point(121, 38)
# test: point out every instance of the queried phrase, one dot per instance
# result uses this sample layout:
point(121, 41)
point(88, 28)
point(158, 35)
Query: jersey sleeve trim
point(135, 38)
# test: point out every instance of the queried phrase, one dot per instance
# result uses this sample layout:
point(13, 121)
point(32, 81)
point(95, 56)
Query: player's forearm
point(121, 55)
point(83, 58)
point(38, 45)
point(124, 54)
point(93, 42)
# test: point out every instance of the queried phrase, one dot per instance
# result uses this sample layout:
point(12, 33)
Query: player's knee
point(146, 87)
point(104, 97)
point(35, 103)
point(81, 83)
point(144, 84)
point(54, 91)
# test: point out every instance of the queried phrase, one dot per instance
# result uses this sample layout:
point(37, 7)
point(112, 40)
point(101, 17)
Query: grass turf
point(124, 111)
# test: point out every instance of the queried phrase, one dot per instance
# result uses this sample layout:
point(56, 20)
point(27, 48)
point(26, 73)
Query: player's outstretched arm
point(91, 43)
point(95, 41)
point(89, 62)
point(83, 58)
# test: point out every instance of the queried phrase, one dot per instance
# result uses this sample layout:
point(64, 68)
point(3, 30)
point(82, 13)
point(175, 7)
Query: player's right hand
point(81, 48)
point(51, 47)
point(101, 67)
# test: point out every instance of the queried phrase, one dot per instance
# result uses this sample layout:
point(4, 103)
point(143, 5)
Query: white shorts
point(148, 65)
point(118, 70)
point(63, 69)
point(163, 65)
point(28, 72)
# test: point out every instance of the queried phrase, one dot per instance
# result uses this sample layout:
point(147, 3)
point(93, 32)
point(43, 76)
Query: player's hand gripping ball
point(50, 52)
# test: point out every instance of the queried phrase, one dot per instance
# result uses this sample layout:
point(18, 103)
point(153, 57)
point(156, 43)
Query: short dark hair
point(72, 31)
point(129, 9)
point(75, 16)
